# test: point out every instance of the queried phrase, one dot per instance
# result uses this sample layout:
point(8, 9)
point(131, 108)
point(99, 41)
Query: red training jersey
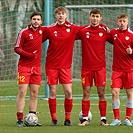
point(28, 46)
point(93, 47)
point(121, 40)
point(61, 43)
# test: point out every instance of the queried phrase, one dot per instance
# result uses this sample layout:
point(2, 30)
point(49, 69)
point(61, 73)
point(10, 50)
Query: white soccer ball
point(81, 116)
point(31, 119)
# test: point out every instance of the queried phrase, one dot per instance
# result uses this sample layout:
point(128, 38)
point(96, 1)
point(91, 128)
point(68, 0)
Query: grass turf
point(8, 112)
point(8, 119)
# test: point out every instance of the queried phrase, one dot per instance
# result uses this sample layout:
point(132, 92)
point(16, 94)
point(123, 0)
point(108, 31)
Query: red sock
point(52, 108)
point(85, 107)
point(68, 108)
point(20, 115)
point(128, 112)
point(116, 113)
point(102, 108)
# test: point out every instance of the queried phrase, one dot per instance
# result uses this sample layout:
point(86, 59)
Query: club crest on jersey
point(100, 34)
point(40, 31)
point(31, 36)
point(68, 30)
point(127, 37)
point(55, 33)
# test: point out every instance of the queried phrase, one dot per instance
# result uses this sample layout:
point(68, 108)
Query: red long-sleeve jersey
point(28, 46)
point(121, 40)
point(61, 43)
point(93, 47)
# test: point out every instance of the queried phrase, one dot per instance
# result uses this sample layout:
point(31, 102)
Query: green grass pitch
point(8, 115)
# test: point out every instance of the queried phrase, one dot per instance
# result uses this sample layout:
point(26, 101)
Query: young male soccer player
point(58, 62)
point(93, 39)
point(28, 46)
point(122, 75)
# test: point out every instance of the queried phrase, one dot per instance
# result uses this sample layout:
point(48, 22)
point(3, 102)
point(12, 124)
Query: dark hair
point(95, 11)
point(35, 13)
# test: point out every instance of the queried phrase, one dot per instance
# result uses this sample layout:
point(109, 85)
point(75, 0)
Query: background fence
point(14, 15)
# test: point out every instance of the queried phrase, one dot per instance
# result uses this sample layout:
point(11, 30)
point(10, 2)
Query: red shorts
point(29, 75)
point(122, 80)
point(98, 76)
point(63, 75)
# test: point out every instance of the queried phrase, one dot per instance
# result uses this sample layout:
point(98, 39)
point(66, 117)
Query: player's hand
point(129, 50)
point(106, 28)
point(52, 24)
point(33, 55)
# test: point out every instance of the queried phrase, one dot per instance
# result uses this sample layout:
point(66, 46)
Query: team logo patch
point(100, 34)
point(68, 30)
point(127, 37)
point(40, 31)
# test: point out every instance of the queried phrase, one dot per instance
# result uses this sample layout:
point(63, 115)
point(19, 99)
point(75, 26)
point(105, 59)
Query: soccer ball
point(81, 116)
point(31, 119)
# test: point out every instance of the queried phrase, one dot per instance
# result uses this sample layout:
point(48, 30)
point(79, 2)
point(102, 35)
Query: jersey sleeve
point(132, 44)
point(23, 53)
point(109, 38)
point(18, 46)
point(107, 30)
point(78, 36)
point(45, 34)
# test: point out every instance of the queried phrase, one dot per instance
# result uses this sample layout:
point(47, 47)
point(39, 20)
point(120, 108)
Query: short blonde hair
point(123, 15)
point(60, 8)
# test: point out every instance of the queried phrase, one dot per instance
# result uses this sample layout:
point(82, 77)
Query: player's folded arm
point(21, 52)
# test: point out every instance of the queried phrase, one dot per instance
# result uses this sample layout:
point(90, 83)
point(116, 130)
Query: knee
point(34, 94)
point(68, 94)
point(21, 94)
point(52, 92)
point(86, 94)
point(114, 93)
point(101, 95)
